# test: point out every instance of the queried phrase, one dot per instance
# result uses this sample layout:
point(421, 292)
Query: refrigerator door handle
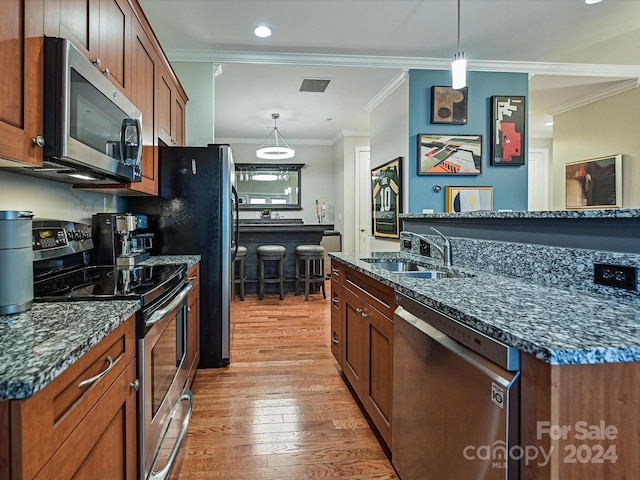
point(236, 239)
point(194, 170)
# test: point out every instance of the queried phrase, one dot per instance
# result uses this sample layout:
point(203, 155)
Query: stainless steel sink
point(407, 268)
point(400, 266)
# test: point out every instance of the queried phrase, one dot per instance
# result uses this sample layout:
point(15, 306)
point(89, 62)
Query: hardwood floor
point(280, 411)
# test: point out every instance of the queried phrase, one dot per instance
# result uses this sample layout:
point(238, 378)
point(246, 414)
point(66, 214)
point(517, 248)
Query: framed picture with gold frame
point(386, 190)
point(468, 199)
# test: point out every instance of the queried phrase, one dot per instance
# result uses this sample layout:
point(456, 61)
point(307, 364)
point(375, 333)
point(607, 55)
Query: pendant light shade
point(459, 64)
point(275, 146)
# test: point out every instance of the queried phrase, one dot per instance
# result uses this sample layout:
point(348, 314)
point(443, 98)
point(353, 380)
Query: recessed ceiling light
point(262, 31)
point(591, 2)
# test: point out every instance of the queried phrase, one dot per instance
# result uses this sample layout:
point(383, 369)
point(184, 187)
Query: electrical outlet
point(406, 244)
point(425, 248)
point(620, 276)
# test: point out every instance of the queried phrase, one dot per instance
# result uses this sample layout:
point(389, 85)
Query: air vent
point(318, 85)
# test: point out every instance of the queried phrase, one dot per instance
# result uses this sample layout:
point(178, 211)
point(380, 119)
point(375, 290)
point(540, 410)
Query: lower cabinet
point(193, 323)
point(366, 335)
point(81, 425)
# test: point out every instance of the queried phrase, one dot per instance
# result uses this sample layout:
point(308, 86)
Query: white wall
point(198, 81)
point(389, 140)
point(317, 178)
point(344, 152)
point(606, 127)
point(50, 199)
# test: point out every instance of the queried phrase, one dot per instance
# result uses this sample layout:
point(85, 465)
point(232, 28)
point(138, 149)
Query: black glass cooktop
point(109, 282)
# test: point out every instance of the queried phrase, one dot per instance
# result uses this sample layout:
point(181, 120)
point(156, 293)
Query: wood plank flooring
point(280, 411)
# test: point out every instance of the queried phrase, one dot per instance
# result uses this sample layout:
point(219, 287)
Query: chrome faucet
point(444, 251)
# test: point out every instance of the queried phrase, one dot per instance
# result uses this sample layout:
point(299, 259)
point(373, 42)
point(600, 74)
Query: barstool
point(238, 273)
point(313, 258)
point(270, 253)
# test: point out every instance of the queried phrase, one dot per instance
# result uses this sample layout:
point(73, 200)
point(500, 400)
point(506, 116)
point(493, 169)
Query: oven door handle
point(160, 313)
point(162, 474)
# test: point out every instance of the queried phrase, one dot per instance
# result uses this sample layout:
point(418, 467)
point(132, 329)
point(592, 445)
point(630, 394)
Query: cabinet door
point(115, 28)
point(79, 21)
point(193, 323)
point(144, 71)
point(21, 102)
point(354, 341)
point(165, 105)
point(379, 373)
point(178, 119)
point(104, 443)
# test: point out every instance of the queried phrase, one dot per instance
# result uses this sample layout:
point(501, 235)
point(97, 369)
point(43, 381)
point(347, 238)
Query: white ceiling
point(574, 52)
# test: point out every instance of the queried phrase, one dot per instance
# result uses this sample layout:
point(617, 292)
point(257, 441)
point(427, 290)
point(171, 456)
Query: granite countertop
point(555, 325)
point(38, 345)
point(547, 214)
point(190, 260)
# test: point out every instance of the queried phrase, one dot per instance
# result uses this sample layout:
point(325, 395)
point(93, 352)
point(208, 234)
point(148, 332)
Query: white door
point(538, 179)
point(363, 201)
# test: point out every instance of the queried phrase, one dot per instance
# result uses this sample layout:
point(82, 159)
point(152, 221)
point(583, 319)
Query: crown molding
point(348, 133)
point(405, 63)
point(600, 95)
point(387, 90)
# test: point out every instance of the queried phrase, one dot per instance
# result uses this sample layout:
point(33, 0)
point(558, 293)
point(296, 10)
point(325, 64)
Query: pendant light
point(275, 146)
point(459, 64)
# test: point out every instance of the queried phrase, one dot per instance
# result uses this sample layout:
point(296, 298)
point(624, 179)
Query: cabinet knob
point(364, 315)
point(135, 385)
point(97, 62)
point(335, 340)
point(359, 310)
point(106, 72)
point(38, 141)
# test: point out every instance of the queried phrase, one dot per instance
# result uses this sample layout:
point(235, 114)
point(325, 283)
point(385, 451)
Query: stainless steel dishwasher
point(455, 399)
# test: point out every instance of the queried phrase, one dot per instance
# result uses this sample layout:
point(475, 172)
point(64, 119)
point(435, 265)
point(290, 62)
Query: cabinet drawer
point(56, 410)
point(193, 275)
point(375, 293)
point(336, 271)
point(104, 443)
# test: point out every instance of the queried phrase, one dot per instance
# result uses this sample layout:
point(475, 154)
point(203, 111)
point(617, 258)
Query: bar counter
point(253, 233)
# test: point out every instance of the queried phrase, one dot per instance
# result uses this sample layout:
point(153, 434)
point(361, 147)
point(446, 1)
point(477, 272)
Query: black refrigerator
point(196, 212)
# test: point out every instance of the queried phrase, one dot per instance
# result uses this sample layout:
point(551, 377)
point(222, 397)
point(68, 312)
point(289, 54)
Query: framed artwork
point(386, 190)
point(468, 199)
point(594, 183)
point(508, 130)
point(449, 154)
point(449, 105)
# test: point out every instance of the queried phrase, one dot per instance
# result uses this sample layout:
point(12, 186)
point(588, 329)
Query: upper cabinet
point(101, 29)
point(171, 108)
point(21, 77)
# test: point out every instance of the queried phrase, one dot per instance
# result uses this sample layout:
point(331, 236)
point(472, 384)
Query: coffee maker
point(121, 239)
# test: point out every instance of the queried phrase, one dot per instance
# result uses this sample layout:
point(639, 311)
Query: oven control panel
point(53, 238)
point(45, 238)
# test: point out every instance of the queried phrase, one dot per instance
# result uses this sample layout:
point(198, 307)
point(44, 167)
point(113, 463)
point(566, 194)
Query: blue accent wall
point(509, 182)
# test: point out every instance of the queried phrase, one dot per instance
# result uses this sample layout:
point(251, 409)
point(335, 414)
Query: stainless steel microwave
point(92, 132)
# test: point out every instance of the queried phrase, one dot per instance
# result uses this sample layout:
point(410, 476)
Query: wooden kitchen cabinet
point(72, 431)
point(21, 78)
point(171, 108)
point(367, 344)
point(193, 323)
point(100, 29)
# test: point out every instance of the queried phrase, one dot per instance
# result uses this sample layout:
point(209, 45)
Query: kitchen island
point(254, 233)
point(579, 342)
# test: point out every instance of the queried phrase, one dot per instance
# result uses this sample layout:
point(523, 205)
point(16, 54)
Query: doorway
point(363, 200)
point(538, 198)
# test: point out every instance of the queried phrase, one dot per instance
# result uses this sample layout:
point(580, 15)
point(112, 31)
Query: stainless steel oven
point(165, 400)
